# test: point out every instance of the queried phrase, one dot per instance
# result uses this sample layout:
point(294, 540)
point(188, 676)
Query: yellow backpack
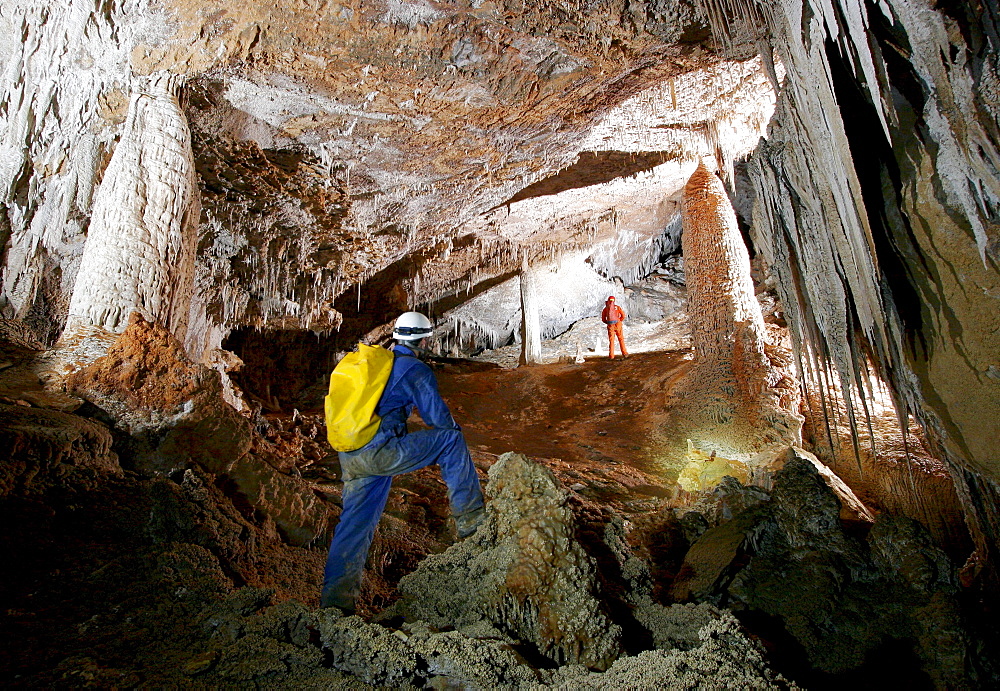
point(356, 385)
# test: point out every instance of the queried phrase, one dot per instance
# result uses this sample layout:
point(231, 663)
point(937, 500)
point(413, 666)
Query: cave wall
point(876, 202)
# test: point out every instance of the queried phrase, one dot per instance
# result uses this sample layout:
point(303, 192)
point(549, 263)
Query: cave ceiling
point(335, 143)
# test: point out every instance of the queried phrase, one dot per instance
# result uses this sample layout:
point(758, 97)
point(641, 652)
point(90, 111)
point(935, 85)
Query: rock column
point(531, 330)
point(726, 322)
point(140, 249)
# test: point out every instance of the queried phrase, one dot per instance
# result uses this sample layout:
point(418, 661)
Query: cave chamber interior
point(790, 479)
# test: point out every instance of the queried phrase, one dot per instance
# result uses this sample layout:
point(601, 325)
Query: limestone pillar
point(140, 249)
point(726, 322)
point(531, 329)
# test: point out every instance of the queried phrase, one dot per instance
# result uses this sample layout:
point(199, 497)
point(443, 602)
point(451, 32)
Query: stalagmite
point(139, 255)
point(735, 401)
point(531, 330)
point(727, 328)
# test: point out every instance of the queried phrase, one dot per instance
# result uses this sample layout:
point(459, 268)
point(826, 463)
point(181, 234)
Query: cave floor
point(130, 580)
point(590, 423)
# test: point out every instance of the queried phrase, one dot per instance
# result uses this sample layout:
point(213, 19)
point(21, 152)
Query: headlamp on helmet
point(412, 326)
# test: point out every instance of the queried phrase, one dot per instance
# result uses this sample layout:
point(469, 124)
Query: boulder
point(152, 390)
point(45, 448)
point(841, 598)
point(299, 514)
point(767, 463)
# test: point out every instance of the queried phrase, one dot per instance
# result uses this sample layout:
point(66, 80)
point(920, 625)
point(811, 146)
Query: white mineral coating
point(571, 290)
point(720, 110)
point(369, 652)
point(140, 249)
point(725, 659)
point(676, 626)
point(523, 572)
point(531, 328)
point(65, 66)
point(476, 662)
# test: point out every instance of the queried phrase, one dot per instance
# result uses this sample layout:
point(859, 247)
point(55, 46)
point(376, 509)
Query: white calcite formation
point(523, 574)
point(57, 95)
point(531, 330)
point(876, 195)
point(139, 255)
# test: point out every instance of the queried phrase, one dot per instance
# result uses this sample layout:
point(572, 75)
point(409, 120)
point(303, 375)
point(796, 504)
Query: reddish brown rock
point(150, 387)
point(43, 448)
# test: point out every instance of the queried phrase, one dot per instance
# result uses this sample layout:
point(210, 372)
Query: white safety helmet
point(412, 326)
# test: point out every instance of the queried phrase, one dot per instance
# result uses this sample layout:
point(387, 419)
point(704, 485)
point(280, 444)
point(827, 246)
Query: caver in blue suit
point(367, 472)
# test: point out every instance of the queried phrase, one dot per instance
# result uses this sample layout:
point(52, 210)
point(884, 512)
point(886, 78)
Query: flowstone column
point(733, 403)
point(140, 249)
point(727, 327)
point(531, 330)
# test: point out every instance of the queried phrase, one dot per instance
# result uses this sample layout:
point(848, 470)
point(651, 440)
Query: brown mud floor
point(591, 423)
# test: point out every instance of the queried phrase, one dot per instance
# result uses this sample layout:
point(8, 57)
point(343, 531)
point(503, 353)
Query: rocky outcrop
point(154, 391)
point(175, 412)
point(876, 191)
point(787, 555)
point(889, 468)
point(522, 573)
point(47, 448)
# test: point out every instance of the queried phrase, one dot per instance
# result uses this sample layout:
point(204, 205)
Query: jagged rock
point(371, 653)
point(791, 559)
point(895, 472)
point(807, 511)
point(675, 626)
point(727, 499)
point(903, 550)
point(522, 572)
point(715, 558)
point(300, 515)
point(194, 511)
point(147, 383)
point(725, 659)
point(44, 448)
point(769, 462)
point(154, 391)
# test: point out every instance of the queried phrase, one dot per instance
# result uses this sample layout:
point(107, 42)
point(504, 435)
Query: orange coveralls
point(613, 316)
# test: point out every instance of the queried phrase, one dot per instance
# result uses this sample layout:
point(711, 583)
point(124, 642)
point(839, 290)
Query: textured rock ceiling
point(345, 138)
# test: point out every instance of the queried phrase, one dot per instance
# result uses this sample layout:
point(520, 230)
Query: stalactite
point(812, 223)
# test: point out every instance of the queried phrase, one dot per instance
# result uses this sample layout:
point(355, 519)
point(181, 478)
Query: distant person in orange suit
point(613, 316)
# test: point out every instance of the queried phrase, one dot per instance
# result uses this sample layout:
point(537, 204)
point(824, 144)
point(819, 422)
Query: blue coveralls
point(367, 472)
